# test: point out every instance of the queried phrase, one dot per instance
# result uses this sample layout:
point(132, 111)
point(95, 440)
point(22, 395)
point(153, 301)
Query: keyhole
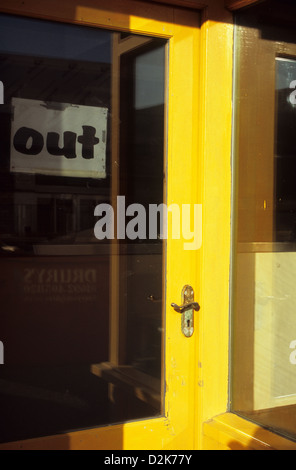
point(188, 323)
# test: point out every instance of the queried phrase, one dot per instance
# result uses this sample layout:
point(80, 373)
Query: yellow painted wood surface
point(230, 432)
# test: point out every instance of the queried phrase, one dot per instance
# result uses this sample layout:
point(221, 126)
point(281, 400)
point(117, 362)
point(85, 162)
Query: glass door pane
point(264, 333)
point(82, 136)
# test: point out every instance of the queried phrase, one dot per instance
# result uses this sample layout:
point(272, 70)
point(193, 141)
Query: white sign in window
point(58, 139)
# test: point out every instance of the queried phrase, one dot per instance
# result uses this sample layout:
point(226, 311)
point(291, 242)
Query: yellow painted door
point(104, 98)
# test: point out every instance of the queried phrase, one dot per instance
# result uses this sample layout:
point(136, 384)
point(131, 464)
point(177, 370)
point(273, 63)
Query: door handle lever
point(187, 310)
point(180, 309)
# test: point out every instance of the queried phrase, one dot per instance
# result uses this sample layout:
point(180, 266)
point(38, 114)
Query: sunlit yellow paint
point(230, 432)
point(215, 171)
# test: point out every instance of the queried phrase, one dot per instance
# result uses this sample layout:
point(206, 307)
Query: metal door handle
point(192, 305)
point(187, 310)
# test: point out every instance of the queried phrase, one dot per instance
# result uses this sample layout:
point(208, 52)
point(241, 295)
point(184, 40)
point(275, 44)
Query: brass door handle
point(187, 310)
point(192, 305)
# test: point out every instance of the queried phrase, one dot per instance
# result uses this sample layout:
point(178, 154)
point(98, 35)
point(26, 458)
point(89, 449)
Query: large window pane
point(264, 268)
point(81, 128)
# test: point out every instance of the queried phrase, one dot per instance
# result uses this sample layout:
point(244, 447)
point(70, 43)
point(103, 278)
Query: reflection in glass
point(285, 148)
point(81, 318)
point(264, 270)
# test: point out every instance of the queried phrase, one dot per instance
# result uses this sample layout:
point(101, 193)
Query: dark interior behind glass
point(65, 368)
